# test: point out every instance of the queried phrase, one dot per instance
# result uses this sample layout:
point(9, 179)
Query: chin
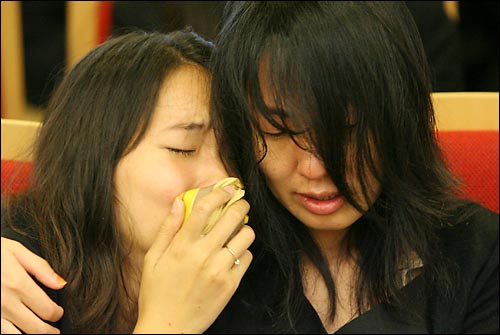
point(339, 220)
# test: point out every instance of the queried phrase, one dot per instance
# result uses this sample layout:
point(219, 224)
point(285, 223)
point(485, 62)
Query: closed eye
point(181, 151)
point(275, 135)
point(283, 133)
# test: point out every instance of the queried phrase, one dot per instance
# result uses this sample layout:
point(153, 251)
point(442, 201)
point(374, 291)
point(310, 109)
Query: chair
point(13, 86)
point(467, 124)
point(88, 23)
point(17, 139)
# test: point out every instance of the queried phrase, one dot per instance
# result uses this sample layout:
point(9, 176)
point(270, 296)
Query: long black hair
point(358, 78)
point(98, 113)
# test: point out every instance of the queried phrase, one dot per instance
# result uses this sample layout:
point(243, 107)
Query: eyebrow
point(189, 126)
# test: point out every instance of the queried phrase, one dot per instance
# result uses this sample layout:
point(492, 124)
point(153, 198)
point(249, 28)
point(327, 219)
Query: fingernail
point(229, 189)
point(60, 280)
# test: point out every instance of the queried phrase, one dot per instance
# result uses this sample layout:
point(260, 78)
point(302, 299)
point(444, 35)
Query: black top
point(475, 308)
point(20, 220)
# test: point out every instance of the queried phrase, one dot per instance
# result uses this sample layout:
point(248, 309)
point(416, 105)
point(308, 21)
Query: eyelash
point(182, 152)
point(274, 135)
point(282, 133)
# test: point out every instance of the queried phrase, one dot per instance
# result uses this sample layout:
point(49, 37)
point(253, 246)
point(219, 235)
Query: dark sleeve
point(27, 237)
point(29, 240)
point(483, 306)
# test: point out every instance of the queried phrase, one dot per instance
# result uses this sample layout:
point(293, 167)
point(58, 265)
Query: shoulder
point(16, 225)
point(472, 243)
point(475, 235)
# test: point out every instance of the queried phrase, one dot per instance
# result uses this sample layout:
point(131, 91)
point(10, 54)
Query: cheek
point(279, 163)
point(374, 189)
point(372, 184)
point(146, 192)
point(149, 187)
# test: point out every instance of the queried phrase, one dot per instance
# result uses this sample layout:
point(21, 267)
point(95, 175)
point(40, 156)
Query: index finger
point(19, 287)
point(203, 209)
point(34, 264)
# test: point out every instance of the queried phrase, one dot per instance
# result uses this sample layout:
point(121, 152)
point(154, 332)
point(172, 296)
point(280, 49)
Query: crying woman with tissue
point(126, 132)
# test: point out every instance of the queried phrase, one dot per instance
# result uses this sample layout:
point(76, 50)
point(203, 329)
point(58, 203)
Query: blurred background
point(40, 39)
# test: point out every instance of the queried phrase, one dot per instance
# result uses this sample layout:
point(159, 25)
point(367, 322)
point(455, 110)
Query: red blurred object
point(105, 20)
point(15, 176)
point(473, 156)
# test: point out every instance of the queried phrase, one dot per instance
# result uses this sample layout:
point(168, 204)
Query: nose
point(211, 169)
point(310, 166)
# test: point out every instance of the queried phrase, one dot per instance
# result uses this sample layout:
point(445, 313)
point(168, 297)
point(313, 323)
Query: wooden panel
point(13, 86)
point(466, 110)
point(82, 29)
point(18, 137)
point(451, 9)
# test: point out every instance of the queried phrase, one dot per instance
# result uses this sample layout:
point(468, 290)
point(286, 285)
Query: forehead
point(279, 88)
point(281, 99)
point(265, 81)
point(183, 97)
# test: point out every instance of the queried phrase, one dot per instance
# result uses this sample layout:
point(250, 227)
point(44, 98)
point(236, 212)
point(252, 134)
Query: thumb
point(168, 229)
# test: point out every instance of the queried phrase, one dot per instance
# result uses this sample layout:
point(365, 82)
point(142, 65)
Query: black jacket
point(474, 310)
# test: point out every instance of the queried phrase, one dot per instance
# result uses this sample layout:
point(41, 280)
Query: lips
point(322, 203)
